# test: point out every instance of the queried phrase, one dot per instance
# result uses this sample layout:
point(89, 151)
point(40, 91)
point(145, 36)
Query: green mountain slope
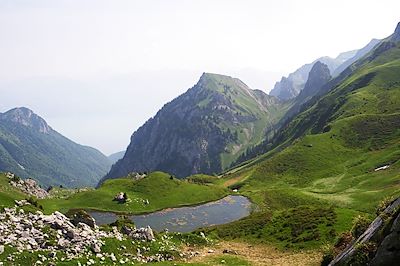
point(330, 152)
point(201, 131)
point(31, 148)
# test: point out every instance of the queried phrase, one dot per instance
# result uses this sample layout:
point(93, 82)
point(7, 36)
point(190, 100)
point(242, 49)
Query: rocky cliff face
point(318, 77)
point(396, 35)
point(200, 131)
point(25, 117)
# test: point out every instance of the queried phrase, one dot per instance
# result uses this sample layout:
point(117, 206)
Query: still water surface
point(186, 219)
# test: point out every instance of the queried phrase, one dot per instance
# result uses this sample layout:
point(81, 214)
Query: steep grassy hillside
point(8, 194)
point(327, 156)
point(160, 189)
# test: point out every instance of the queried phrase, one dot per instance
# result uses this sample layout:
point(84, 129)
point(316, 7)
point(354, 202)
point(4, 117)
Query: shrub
point(328, 256)
point(123, 221)
point(125, 197)
point(16, 178)
point(33, 201)
point(360, 224)
point(364, 253)
point(384, 204)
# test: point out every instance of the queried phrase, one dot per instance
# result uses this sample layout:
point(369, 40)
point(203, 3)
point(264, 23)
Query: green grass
point(329, 152)
point(8, 194)
point(158, 188)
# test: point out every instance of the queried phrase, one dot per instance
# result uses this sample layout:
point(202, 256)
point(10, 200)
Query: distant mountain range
point(289, 87)
point(202, 131)
point(113, 158)
point(29, 147)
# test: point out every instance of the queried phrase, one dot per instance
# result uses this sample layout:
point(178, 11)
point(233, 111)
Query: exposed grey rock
point(30, 187)
point(371, 231)
point(388, 252)
point(139, 233)
point(95, 247)
point(81, 216)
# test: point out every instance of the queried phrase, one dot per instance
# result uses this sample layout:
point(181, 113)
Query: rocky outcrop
point(388, 253)
point(80, 216)
point(36, 231)
point(319, 76)
point(390, 245)
point(396, 35)
point(139, 233)
point(56, 232)
point(28, 186)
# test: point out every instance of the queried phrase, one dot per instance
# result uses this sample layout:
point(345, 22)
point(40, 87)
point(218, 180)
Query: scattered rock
point(230, 251)
point(136, 176)
point(80, 216)
point(96, 248)
point(121, 197)
point(139, 233)
point(28, 186)
point(1, 249)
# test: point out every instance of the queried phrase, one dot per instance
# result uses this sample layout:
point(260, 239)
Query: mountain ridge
point(200, 129)
point(29, 147)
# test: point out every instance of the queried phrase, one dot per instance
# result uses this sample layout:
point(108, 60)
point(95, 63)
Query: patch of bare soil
point(259, 254)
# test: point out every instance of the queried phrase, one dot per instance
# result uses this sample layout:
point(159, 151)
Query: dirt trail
point(234, 180)
point(260, 254)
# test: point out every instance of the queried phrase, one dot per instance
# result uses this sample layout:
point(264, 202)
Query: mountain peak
point(319, 67)
point(26, 117)
point(396, 35)
point(319, 75)
point(220, 83)
point(206, 77)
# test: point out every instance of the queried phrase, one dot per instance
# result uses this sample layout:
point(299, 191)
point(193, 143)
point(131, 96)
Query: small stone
point(52, 254)
point(1, 249)
point(71, 234)
point(96, 248)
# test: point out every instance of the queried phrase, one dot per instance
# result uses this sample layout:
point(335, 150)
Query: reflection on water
point(187, 219)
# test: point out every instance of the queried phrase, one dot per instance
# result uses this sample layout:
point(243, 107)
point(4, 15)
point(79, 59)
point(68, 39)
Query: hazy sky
point(96, 70)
